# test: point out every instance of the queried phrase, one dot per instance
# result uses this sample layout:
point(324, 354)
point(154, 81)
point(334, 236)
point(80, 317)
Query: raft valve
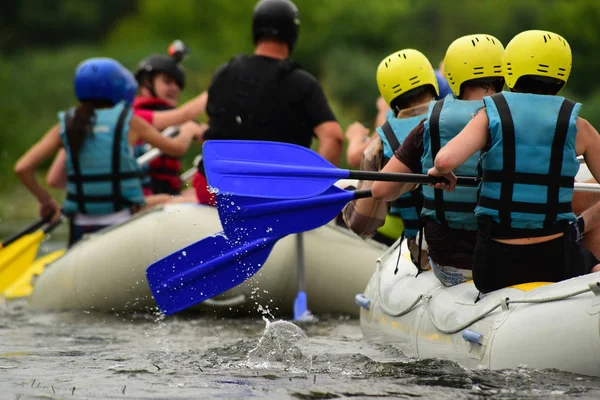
point(472, 336)
point(362, 301)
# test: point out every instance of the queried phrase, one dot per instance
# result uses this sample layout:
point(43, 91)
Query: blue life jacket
point(408, 206)
point(446, 118)
point(530, 167)
point(104, 177)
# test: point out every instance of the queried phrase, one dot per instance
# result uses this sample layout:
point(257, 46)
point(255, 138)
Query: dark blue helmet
point(442, 84)
point(104, 79)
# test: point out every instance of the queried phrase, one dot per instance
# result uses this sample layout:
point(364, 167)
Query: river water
point(81, 355)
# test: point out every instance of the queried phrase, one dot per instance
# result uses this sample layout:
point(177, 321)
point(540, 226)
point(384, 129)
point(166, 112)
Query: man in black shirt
point(266, 96)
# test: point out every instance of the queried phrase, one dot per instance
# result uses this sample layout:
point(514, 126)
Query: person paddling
point(473, 66)
point(359, 137)
point(161, 79)
point(530, 139)
point(408, 83)
point(103, 177)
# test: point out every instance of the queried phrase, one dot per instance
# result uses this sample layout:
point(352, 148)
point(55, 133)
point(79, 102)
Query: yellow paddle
point(28, 229)
point(22, 286)
point(17, 257)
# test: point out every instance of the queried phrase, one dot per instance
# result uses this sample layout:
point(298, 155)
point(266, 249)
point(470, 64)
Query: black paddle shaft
point(412, 178)
point(29, 229)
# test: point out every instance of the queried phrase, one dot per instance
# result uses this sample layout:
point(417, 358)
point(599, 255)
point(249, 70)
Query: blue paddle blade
point(300, 306)
point(205, 269)
point(248, 218)
point(267, 169)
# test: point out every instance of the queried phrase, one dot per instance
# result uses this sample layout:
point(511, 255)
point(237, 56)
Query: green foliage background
point(341, 41)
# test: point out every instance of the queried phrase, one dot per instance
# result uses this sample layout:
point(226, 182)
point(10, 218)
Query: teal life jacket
point(446, 118)
point(529, 169)
point(408, 206)
point(103, 177)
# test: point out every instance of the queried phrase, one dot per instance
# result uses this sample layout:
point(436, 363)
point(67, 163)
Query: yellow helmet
point(403, 71)
point(538, 53)
point(472, 57)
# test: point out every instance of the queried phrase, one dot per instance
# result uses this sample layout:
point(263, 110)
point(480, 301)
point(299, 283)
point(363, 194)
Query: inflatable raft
point(540, 325)
point(106, 271)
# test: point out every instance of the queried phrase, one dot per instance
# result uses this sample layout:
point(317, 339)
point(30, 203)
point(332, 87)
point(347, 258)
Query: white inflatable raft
point(106, 271)
point(539, 325)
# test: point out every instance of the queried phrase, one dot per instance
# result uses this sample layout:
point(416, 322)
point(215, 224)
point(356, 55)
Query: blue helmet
point(104, 79)
point(442, 84)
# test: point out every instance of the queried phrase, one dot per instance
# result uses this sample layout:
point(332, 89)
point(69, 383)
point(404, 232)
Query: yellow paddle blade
point(18, 256)
point(22, 287)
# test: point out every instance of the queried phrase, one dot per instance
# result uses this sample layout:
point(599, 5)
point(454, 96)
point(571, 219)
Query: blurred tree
point(26, 24)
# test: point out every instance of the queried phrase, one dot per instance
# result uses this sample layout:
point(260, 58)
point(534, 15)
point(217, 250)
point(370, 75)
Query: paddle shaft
point(154, 153)
point(31, 228)
point(412, 178)
point(300, 250)
point(461, 180)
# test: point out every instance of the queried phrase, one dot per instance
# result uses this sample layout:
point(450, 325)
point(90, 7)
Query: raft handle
point(472, 336)
point(595, 287)
point(362, 301)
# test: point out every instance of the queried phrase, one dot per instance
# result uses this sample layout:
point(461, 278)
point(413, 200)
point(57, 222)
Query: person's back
point(473, 67)
point(263, 98)
point(531, 138)
point(408, 83)
point(103, 177)
point(266, 96)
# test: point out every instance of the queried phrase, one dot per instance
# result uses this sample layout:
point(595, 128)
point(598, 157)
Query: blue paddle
point(205, 269)
point(247, 218)
point(283, 171)
point(252, 227)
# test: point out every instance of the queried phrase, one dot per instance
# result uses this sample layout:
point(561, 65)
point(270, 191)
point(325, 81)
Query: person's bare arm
point(588, 145)
point(358, 140)
point(57, 175)
point(330, 137)
point(382, 110)
point(142, 130)
point(187, 112)
point(26, 165)
point(392, 190)
point(472, 138)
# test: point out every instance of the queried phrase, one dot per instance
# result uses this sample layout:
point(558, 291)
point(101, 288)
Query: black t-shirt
point(262, 98)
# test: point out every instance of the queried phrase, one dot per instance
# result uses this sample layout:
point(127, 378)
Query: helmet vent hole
point(472, 41)
point(413, 78)
point(404, 56)
point(493, 42)
point(545, 40)
point(477, 39)
point(415, 82)
point(562, 69)
point(559, 74)
point(543, 70)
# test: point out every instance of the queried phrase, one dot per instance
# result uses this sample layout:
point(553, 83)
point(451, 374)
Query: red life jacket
point(164, 171)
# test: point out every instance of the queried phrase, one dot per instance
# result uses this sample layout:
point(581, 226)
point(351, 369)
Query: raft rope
point(593, 287)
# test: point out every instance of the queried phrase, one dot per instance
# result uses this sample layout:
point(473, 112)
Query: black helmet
point(169, 65)
point(278, 19)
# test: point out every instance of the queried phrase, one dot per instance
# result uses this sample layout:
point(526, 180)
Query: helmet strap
point(150, 88)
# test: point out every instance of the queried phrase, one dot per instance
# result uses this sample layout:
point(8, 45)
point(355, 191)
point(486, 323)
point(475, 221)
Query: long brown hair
point(81, 124)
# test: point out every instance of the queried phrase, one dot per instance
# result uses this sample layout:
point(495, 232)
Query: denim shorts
point(450, 276)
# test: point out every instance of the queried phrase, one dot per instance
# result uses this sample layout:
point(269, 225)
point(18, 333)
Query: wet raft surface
point(97, 356)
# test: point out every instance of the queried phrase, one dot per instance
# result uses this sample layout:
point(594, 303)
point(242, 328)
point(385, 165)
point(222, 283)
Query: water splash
point(283, 346)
